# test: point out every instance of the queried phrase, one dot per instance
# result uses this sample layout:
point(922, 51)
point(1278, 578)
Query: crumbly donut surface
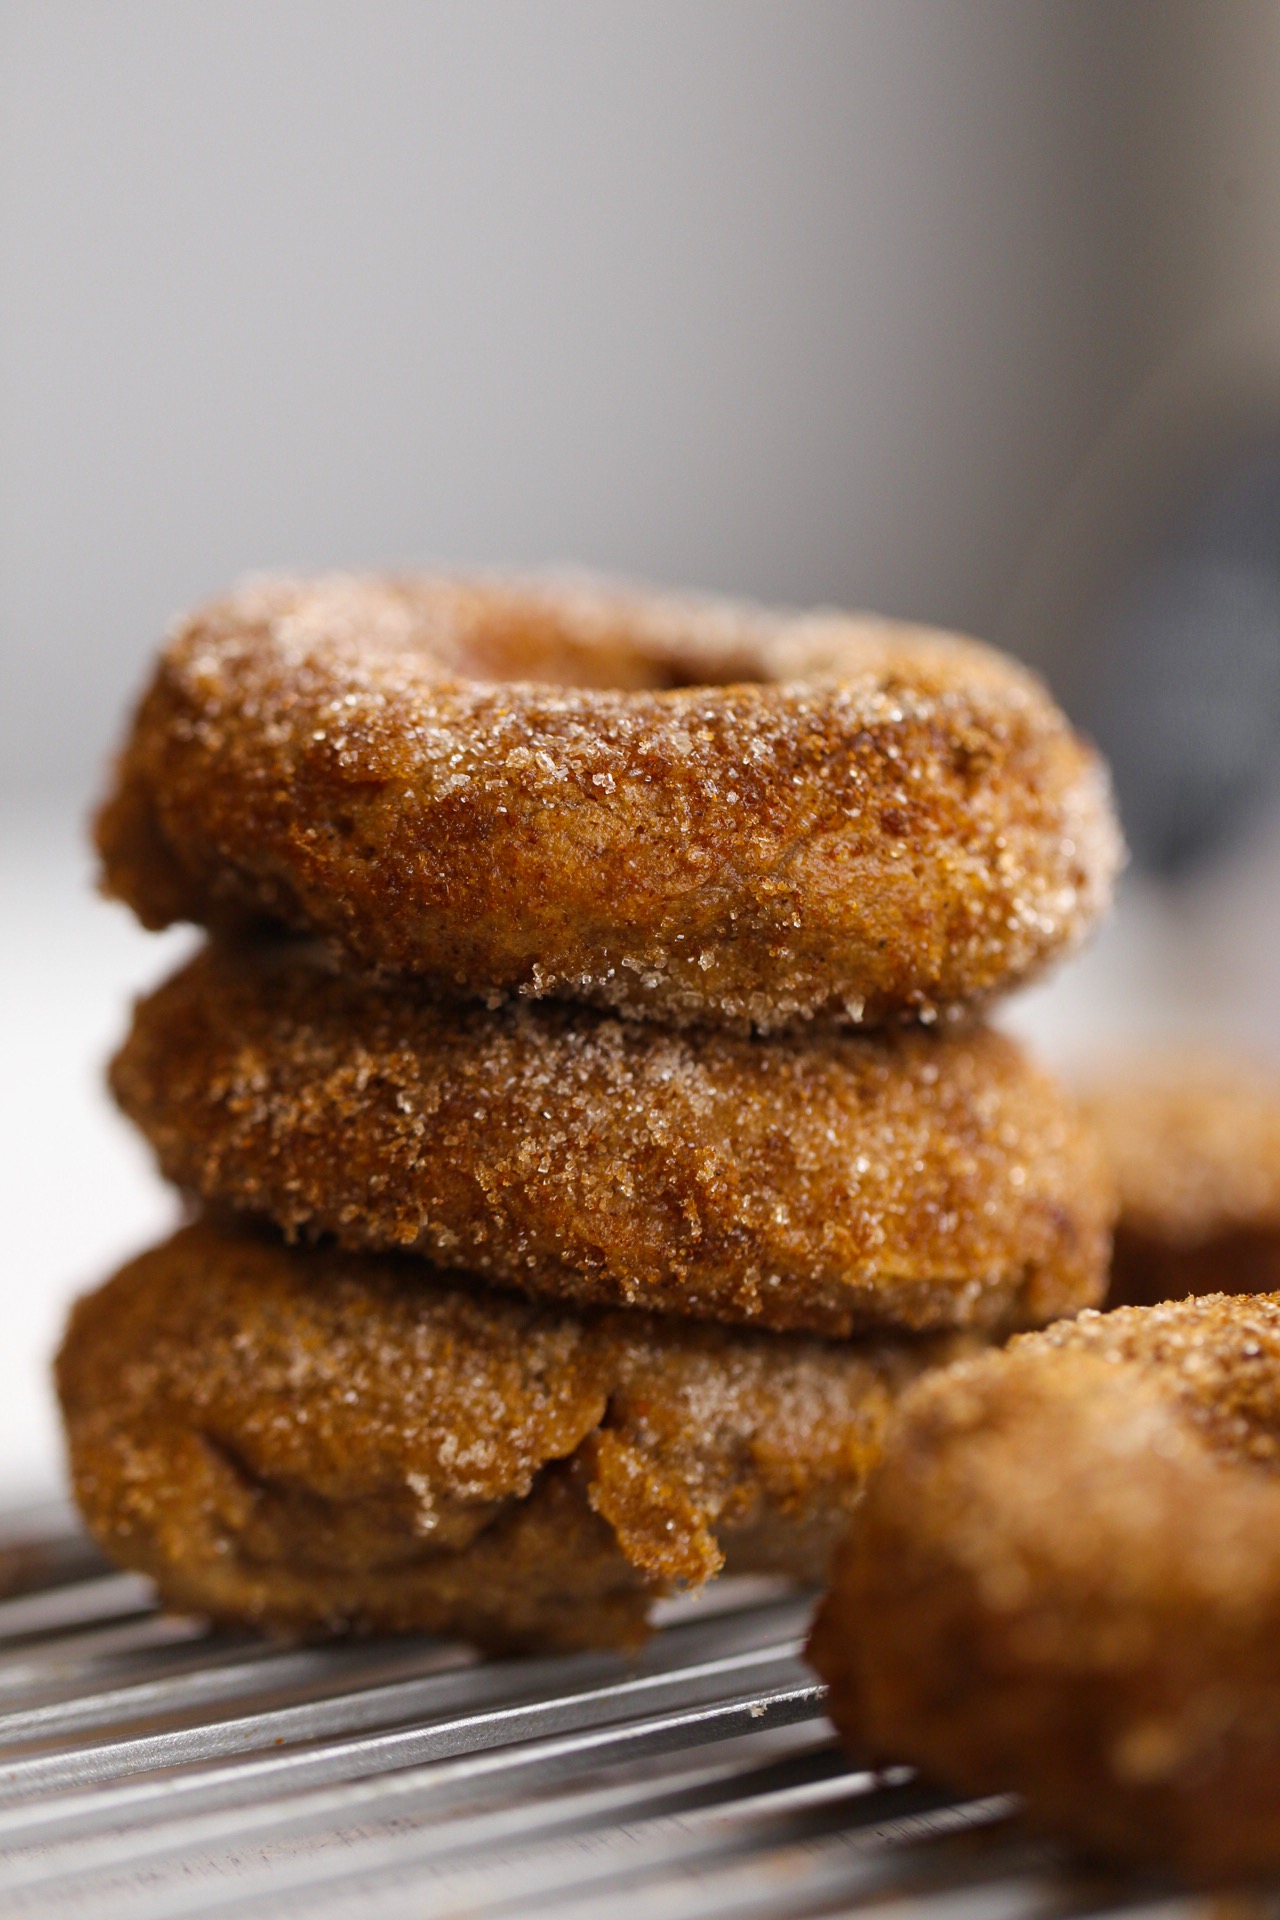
point(675, 808)
point(1193, 1139)
point(1065, 1580)
point(316, 1442)
point(902, 1179)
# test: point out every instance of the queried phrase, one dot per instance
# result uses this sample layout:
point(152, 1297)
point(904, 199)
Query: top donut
point(683, 809)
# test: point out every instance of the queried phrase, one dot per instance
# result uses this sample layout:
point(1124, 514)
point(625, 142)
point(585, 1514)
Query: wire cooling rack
point(149, 1767)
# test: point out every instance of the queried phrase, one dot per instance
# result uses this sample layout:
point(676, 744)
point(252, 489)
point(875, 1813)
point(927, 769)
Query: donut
point(832, 1184)
point(1193, 1140)
point(683, 809)
point(314, 1442)
point(1064, 1579)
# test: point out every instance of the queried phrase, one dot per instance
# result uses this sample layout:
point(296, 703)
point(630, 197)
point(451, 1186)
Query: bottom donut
point(315, 1442)
point(1064, 1580)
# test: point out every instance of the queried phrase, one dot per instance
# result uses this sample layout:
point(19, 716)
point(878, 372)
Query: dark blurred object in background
point(1152, 596)
point(1180, 684)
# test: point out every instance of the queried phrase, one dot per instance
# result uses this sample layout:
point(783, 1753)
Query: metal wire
point(150, 1768)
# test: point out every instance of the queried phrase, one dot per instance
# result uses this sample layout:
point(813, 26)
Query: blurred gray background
point(829, 300)
point(964, 310)
point(798, 300)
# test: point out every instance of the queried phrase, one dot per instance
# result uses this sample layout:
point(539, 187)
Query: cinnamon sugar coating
point(1065, 1579)
point(681, 809)
point(835, 1184)
point(1194, 1142)
point(317, 1443)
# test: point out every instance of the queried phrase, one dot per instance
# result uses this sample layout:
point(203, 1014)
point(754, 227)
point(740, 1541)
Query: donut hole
point(569, 639)
point(552, 657)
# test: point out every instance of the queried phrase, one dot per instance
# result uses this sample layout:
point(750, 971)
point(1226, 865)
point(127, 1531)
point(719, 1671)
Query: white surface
point(802, 300)
point(1191, 966)
point(79, 1194)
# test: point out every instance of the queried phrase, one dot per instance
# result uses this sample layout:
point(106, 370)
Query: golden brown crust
point(903, 1179)
point(677, 809)
point(1065, 1579)
point(1194, 1142)
point(319, 1442)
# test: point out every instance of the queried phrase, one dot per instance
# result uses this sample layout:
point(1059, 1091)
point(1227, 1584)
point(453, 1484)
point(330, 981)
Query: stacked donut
point(582, 1093)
